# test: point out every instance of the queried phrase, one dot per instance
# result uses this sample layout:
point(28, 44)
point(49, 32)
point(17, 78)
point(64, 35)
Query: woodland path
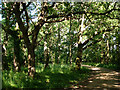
point(100, 79)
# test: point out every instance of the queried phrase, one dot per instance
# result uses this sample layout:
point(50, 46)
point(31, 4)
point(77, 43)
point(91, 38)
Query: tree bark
point(17, 59)
point(107, 60)
point(31, 61)
point(79, 57)
point(70, 46)
point(46, 52)
point(80, 46)
point(58, 46)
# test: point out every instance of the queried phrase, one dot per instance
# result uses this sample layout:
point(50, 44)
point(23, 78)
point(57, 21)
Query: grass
point(108, 66)
point(56, 76)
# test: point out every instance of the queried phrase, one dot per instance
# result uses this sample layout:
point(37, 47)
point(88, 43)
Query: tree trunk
point(70, 54)
point(107, 60)
point(80, 45)
point(46, 53)
point(31, 61)
point(118, 48)
point(17, 59)
point(70, 46)
point(58, 46)
point(79, 57)
point(56, 54)
point(4, 53)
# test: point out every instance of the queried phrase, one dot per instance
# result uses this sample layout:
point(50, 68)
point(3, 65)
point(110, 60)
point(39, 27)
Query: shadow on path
point(100, 79)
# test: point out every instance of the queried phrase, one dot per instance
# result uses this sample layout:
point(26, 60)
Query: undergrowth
point(55, 76)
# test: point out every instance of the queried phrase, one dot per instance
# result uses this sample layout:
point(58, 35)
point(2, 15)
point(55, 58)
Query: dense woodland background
point(43, 40)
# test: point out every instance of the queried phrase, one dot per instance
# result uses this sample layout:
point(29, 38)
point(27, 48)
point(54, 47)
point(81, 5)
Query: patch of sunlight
point(98, 87)
point(12, 84)
point(39, 70)
point(71, 81)
point(39, 81)
point(118, 86)
point(61, 71)
point(90, 81)
point(97, 64)
point(104, 84)
point(46, 76)
point(75, 87)
point(47, 80)
point(62, 66)
point(96, 68)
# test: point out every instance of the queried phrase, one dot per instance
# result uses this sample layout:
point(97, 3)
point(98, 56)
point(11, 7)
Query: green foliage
point(56, 76)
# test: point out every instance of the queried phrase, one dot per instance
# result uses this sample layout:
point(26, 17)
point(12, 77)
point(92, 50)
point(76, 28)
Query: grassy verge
point(56, 76)
point(109, 66)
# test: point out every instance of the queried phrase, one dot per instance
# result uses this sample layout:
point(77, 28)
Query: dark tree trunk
point(56, 55)
point(17, 59)
point(31, 61)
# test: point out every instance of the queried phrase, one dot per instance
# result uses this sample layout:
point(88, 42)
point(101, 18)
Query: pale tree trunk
point(70, 46)
point(80, 46)
point(57, 51)
point(70, 54)
point(107, 60)
point(4, 52)
point(102, 60)
point(46, 53)
point(52, 56)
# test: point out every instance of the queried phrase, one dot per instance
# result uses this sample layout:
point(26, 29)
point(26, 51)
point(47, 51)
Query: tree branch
point(59, 20)
point(25, 6)
point(95, 36)
point(80, 12)
point(98, 33)
point(92, 43)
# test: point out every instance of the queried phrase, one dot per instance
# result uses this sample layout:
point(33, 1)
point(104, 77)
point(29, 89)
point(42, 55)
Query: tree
point(58, 12)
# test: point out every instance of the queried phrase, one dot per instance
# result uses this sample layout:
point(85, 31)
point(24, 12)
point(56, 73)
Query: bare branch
point(60, 20)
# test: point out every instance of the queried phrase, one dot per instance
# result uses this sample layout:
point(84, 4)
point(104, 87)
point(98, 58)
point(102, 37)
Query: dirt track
point(100, 79)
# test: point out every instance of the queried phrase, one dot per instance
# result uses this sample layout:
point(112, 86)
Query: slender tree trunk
point(70, 47)
point(56, 55)
point(107, 60)
point(58, 46)
point(52, 56)
point(70, 54)
point(46, 53)
point(101, 56)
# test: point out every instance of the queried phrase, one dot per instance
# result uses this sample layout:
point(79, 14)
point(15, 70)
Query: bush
point(56, 76)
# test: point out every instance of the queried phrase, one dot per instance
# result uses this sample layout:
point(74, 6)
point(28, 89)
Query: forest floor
point(100, 79)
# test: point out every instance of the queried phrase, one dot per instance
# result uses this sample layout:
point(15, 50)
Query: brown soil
point(100, 79)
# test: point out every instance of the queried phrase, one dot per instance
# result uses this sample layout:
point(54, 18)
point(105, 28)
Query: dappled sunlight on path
point(101, 78)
